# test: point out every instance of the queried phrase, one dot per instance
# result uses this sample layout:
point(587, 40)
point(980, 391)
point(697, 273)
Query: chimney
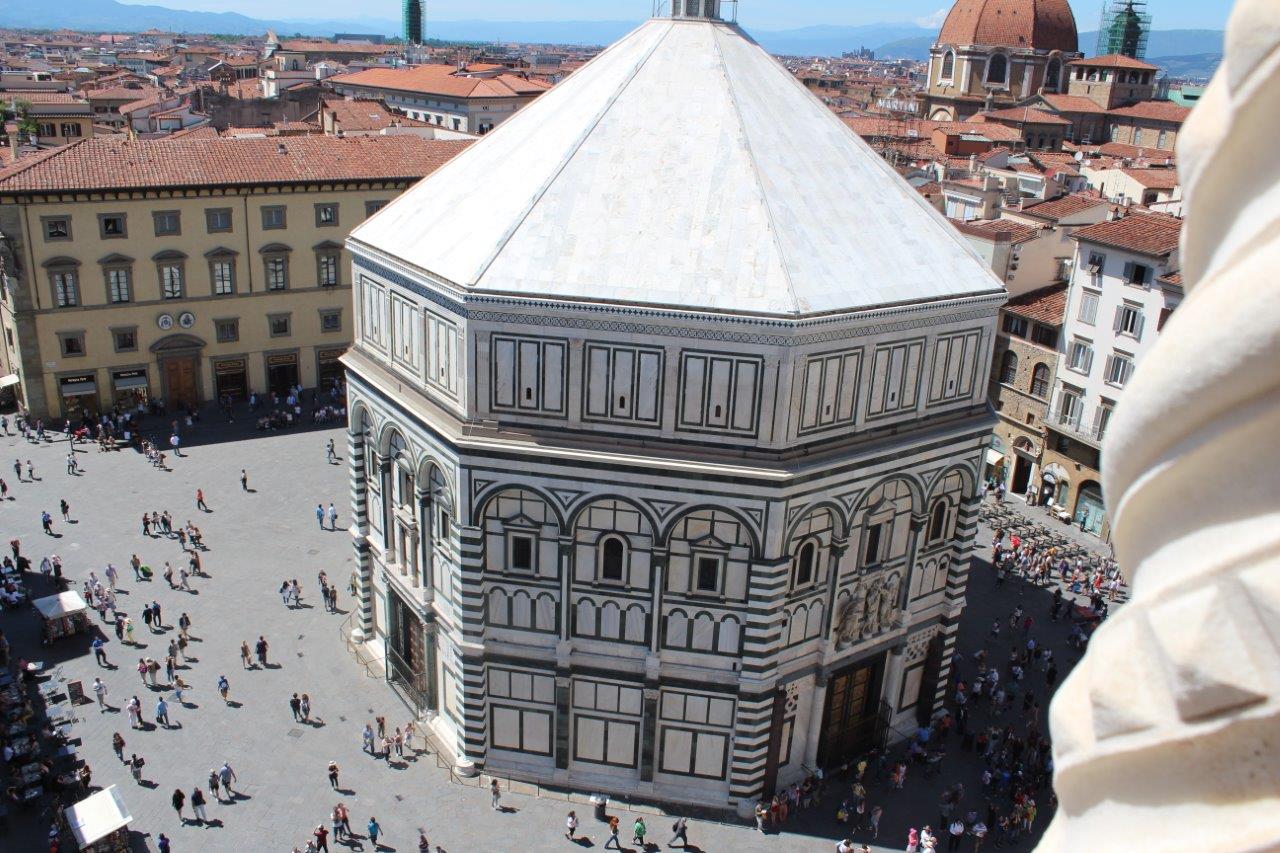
point(281, 149)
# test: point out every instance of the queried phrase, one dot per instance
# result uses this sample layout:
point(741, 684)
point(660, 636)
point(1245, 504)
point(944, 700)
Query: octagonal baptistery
point(667, 410)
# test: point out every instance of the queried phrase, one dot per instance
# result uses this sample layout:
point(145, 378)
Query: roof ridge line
point(574, 149)
point(755, 173)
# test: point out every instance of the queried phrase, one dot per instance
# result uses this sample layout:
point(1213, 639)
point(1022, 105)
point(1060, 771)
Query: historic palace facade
point(666, 424)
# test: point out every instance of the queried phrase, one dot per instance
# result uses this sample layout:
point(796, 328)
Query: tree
point(20, 112)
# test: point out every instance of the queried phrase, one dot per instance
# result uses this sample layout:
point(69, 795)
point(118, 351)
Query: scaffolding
point(1124, 28)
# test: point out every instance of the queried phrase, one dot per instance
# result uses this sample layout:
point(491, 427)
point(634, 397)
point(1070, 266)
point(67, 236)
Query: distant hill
point(1199, 66)
point(1161, 43)
point(110, 16)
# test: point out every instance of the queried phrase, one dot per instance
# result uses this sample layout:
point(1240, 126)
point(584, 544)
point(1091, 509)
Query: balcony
point(1073, 423)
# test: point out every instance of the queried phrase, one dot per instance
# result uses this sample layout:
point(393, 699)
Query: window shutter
point(1137, 330)
point(1111, 363)
point(1129, 270)
point(1088, 359)
point(1119, 317)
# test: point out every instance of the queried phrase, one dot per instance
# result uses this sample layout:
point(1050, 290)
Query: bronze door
point(848, 721)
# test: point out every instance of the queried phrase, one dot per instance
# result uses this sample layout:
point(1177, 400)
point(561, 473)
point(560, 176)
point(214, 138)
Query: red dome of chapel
point(1038, 24)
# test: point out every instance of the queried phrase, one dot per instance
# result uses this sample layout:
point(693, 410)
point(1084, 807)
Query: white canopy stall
point(100, 821)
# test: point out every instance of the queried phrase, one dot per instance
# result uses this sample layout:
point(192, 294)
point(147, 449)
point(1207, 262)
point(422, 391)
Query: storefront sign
point(234, 365)
point(74, 386)
point(331, 354)
point(277, 360)
point(125, 379)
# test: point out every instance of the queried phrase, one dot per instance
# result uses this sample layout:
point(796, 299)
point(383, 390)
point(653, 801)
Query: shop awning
point(127, 382)
point(62, 604)
point(97, 816)
point(79, 389)
point(994, 457)
point(11, 379)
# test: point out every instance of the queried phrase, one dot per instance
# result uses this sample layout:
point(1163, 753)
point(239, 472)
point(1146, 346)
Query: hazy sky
point(766, 14)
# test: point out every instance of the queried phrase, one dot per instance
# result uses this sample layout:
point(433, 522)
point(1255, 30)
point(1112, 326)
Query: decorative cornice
point(894, 319)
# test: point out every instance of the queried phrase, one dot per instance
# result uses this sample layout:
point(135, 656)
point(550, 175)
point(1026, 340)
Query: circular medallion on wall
point(186, 319)
point(165, 322)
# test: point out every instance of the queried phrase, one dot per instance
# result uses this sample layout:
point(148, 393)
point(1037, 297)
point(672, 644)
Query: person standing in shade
point(197, 805)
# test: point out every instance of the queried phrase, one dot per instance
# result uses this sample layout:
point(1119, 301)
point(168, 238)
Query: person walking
point(197, 805)
point(213, 785)
point(112, 574)
point(322, 838)
point(100, 690)
point(320, 515)
point(179, 799)
point(46, 521)
point(99, 652)
point(117, 743)
point(295, 705)
point(162, 844)
point(135, 767)
point(224, 687)
point(638, 832)
point(66, 510)
point(495, 794)
point(226, 775)
point(330, 454)
point(613, 834)
point(374, 829)
point(570, 825)
point(246, 662)
point(200, 504)
point(244, 480)
point(333, 516)
point(261, 649)
point(333, 775)
point(680, 830)
point(134, 708)
point(304, 708)
point(162, 712)
point(184, 626)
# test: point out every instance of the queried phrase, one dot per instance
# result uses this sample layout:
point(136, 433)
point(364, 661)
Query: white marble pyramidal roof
point(682, 167)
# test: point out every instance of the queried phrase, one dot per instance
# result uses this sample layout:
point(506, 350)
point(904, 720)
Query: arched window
point(1009, 367)
point(948, 65)
point(804, 564)
point(612, 556)
point(997, 69)
point(938, 521)
point(1040, 380)
point(1053, 74)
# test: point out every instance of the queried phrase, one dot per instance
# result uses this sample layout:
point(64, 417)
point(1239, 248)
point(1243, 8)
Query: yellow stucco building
point(187, 269)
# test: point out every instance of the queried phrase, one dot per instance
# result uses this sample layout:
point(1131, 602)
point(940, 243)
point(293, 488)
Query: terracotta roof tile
point(1071, 103)
point(365, 115)
point(50, 98)
point(1025, 115)
point(1040, 24)
point(120, 163)
point(441, 80)
point(1153, 234)
point(1155, 179)
point(320, 46)
point(1047, 305)
point(1115, 60)
point(997, 229)
point(1174, 279)
point(1154, 110)
point(1063, 206)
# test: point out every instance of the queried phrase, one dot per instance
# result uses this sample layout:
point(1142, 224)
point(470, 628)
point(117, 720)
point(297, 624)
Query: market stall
point(63, 614)
point(99, 822)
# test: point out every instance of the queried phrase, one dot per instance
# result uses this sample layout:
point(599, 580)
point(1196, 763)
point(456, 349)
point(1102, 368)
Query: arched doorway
point(1090, 511)
point(1024, 463)
point(1054, 485)
point(178, 357)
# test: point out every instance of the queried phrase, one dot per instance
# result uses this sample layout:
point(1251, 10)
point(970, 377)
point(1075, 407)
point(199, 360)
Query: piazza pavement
point(256, 540)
